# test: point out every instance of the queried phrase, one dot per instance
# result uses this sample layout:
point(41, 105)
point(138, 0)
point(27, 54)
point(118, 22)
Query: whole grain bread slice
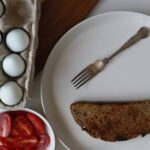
point(113, 121)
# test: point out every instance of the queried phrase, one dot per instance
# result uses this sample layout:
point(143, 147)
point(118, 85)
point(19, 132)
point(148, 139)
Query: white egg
point(13, 65)
point(17, 40)
point(1, 8)
point(11, 93)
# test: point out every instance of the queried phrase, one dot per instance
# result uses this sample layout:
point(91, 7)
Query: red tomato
point(3, 148)
point(14, 132)
point(5, 125)
point(9, 142)
point(37, 122)
point(44, 141)
point(13, 114)
point(1, 141)
point(27, 143)
point(18, 113)
point(30, 148)
point(22, 127)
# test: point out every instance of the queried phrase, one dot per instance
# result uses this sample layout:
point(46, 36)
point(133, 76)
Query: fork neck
point(100, 64)
point(106, 60)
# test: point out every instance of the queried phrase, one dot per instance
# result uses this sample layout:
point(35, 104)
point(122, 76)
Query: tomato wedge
point(27, 143)
point(1, 141)
point(22, 127)
point(14, 132)
point(3, 148)
point(37, 123)
point(44, 141)
point(9, 142)
point(30, 148)
point(13, 114)
point(5, 125)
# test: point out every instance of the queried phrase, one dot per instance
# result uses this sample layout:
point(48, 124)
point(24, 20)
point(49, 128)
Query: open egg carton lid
point(19, 29)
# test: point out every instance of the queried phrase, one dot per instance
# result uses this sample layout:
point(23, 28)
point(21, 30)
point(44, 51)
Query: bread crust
point(113, 121)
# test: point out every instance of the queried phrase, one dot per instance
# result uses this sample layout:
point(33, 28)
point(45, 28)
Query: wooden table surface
point(57, 17)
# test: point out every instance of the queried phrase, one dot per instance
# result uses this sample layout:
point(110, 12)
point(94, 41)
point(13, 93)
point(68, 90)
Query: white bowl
point(48, 127)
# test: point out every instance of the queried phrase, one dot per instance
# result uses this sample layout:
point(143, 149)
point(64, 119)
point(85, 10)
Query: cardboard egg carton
point(21, 14)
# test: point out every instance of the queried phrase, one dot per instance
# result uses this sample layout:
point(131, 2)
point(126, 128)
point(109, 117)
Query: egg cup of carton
point(18, 44)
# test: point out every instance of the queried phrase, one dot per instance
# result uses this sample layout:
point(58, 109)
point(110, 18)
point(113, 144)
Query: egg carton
point(22, 14)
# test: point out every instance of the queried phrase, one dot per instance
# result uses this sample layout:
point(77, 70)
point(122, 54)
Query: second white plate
point(125, 78)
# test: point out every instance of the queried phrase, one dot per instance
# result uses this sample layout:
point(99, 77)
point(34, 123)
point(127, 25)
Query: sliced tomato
point(14, 114)
point(37, 123)
point(1, 141)
point(14, 132)
point(5, 125)
point(3, 148)
point(28, 142)
point(19, 112)
point(22, 127)
point(30, 148)
point(9, 142)
point(44, 141)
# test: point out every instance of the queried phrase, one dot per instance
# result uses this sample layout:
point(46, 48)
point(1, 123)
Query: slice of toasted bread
point(113, 121)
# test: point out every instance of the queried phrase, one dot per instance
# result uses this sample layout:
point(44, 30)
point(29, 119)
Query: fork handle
point(142, 33)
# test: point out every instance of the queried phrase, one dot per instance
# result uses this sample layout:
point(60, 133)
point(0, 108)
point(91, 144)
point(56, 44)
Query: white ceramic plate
point(127, 77)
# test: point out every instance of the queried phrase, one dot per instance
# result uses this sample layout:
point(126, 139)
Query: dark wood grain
point(57, 17)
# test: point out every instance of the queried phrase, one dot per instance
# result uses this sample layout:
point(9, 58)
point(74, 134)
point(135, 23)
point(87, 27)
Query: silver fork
point(93, 69)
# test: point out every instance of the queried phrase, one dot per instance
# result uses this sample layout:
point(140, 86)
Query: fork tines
point(84, 76)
